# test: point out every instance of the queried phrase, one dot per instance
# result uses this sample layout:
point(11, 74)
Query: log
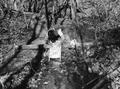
point(14, 51)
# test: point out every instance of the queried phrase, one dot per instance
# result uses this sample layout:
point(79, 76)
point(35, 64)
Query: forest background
point(95, 22)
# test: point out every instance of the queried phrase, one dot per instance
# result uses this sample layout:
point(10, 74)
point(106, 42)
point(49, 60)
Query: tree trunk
point(46, 13)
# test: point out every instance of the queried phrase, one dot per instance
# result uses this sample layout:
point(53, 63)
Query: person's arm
point(61, 34)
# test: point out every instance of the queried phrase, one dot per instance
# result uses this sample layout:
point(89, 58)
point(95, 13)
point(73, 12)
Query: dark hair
point(52, 35)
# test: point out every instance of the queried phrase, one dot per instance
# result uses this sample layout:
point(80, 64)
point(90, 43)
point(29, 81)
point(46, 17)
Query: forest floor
point(55, 80)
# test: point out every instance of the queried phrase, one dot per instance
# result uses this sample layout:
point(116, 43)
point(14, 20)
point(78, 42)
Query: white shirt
point(55, 50)
point(73, 43)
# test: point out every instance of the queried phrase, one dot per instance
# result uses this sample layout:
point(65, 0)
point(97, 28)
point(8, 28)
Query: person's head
point(53, 35)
